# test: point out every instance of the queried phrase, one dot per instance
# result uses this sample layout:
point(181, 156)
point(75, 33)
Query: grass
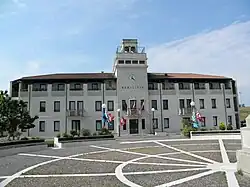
point(244, 112)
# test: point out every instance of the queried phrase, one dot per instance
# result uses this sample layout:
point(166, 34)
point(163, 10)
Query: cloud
point(19, 3)
point(224, 51)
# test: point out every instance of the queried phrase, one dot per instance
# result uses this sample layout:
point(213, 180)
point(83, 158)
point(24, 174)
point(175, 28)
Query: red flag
point(110, 117)
point(122, 121)
point(198, 116)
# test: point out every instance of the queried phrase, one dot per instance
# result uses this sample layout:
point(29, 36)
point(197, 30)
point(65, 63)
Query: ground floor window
point(111, 125)
point(98, 124)
point(143, 123)
point(56, 126)
point(76, 125)
point(166, 123)
point(42, 126)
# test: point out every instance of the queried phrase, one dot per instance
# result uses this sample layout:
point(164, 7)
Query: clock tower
point(130, 68)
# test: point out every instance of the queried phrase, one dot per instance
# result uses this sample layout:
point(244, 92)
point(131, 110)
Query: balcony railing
point(185, 111)
point(133, 111)
point(76, 113)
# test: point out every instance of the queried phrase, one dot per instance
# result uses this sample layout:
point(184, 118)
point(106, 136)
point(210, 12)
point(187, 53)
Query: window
point(111, 125)
point(228, 104)
point(98, 106)
point(165, 104)
point(72, 105)
point(141, 62)
point(133, 104)
point(56, 126)
point(124, 127)
point(76, 125)
point(229, 119)
point(135, 62)
point(120, 61)
point(166, 123)
point(41, 126)
point(155, 123)
point(215, 120)
point(56, 106)
point(199, 86)
point(110, 105)
point(202, 103)
point(236, 109)
point(203, 123)
point(58, 87)
point(43, 87)
point(213, 103)
point(215, 85)
point(128, 62)
point(80, 105)
point(142, 104)
point(143, 123)
point(75, 86)
point(154, 104)
point(182, 103)
point(110, 85)
point(227, 85)
point(124, 105)
point(98, 124)
point(168, 86)
point(42, 106)
point(152, 86)
point(184, 86)
point(94, 86)
point(189, 103)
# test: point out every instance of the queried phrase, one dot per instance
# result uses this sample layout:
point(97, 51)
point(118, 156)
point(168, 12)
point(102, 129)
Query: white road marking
point(186, 152)
point(148, 155)
point(231, 179)
point(186, 179)
point(150, 141)
point(4, 177)
point(110, 161)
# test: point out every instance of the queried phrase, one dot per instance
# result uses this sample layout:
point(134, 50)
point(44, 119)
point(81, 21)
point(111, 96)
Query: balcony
point(133, 112)
point(75, 113)
point(185, 111)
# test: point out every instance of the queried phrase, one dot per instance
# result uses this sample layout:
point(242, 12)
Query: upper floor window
point(24, 87)
point(120, 61)
point(110, 105)
point(184, 86)
point(228, 103)
point(58, 87)
point(124, 105)
point(94, 86)
point(76, 86)
point(213, 103)
point(165, 104)
point(168, 86)
point(141, 62)
point(42, 106)
point(98, 106)
point(128, 62)
point(214, 85)
point(228, 85)
point(134, 61)
point(154, 104)
point(199, 86)
point(39, 87)
point(56, 106)
point(110, 85)
point(152, 86)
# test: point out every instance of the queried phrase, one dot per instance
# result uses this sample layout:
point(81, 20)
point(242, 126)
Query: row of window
point(76, 105)
point(79, 105)
point(187, 86)
point(131, 62)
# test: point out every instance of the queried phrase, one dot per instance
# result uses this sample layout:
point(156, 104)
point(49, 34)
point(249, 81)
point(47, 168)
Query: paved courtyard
point(137, 163)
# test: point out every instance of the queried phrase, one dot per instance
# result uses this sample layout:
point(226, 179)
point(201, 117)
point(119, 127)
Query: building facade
point(74, 101)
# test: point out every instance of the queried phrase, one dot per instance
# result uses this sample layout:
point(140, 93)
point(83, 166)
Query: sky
point(59, 36)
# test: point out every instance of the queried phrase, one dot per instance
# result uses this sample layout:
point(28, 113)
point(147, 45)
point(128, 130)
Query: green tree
point(14, 115)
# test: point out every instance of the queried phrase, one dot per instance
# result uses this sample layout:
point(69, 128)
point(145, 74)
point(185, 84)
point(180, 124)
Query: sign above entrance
point(132, 87)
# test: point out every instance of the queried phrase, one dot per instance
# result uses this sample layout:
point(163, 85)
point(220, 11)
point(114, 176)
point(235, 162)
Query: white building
point(73, 101)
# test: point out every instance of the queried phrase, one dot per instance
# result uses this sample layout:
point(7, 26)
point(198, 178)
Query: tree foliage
point(14, 115)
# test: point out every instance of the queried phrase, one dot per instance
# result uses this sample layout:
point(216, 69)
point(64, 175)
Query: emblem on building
point(132, 77)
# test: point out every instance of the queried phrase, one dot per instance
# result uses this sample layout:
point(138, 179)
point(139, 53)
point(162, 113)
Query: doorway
point(133, 126)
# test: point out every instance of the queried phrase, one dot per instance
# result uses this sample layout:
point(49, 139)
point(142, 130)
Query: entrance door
point(133, 126)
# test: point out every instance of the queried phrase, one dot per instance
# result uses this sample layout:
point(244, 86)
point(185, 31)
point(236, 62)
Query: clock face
point(132, 77)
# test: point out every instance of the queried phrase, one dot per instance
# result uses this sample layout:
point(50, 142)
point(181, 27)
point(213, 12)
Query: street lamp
point(119, 125)
point(103, 112)
point(153, 120)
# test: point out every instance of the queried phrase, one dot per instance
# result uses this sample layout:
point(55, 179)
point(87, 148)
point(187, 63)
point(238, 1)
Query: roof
point(98, 76)
point(185, 76)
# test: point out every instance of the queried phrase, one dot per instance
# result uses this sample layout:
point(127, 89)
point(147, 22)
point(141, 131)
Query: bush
point(24, 138)
point(222, 126)
point(86, 132)
point(186, 130)
point(94, 134)
point(203, 129)
point(65, 135)
point(229, 127)
point(78, 134)
point(58, 135)
point(104, 131)
point(73, 133)
point(17, 134)
point(33, 138)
